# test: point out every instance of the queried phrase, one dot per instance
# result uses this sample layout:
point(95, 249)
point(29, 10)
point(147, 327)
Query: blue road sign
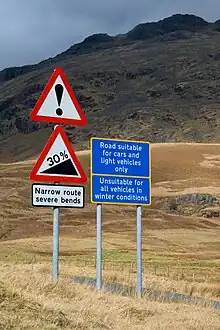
point(120, 172)
point(120, 157)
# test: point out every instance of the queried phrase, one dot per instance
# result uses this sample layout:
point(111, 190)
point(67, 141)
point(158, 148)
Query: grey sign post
point(57, 196)
point(120, 175)
point(99, 247)
point(55, 265)
point(56, 239)
point(57, 104)
point(139, 251)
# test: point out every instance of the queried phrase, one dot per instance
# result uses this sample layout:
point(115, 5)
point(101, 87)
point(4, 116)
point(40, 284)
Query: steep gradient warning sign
point(58, 161)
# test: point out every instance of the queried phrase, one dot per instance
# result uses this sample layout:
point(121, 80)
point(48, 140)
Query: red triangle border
point(34, 114)
point(49, 178)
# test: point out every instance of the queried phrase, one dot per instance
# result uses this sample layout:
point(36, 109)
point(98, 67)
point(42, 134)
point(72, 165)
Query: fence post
point(168, 271)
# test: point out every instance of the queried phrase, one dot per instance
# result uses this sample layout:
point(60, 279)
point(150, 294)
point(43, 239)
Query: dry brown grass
point(172, 268)
point(30, 301)
point(194, 288)
point(191, 244)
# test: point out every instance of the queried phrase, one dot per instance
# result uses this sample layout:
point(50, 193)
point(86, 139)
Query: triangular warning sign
point(57, 103)
point(58, 161)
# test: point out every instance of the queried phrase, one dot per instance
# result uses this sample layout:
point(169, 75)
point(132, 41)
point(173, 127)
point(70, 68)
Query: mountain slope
point(159, 82)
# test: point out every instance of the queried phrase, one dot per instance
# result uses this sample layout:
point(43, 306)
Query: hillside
point(158, 82)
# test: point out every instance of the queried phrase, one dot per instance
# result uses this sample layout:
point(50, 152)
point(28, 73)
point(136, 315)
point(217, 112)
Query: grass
point(161, 272)
point(180, 253)
point(36, 303)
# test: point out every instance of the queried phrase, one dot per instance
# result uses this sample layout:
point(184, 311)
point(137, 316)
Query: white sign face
point(58, 161)
point(57, 196)
point(58, 103)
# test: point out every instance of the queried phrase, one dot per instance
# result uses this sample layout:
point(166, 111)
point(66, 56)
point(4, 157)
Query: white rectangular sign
point(57, 195)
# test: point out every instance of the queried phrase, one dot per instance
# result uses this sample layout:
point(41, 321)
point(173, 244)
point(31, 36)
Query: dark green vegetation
point(159, 82)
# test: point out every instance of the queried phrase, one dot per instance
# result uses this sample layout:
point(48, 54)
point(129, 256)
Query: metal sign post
point(139, 251)
point(58, 162)
point(120, 175)
point(55, 270)
point(99, 247)
point(57, 196)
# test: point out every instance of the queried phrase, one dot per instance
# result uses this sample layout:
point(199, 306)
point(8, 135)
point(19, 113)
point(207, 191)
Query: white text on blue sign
point(116, 190)
point(118, 157)
point(120, 172)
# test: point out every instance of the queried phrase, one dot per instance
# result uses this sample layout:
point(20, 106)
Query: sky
point(34, 30)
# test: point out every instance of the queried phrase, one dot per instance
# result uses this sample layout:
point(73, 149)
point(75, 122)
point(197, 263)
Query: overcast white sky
point(33, 30)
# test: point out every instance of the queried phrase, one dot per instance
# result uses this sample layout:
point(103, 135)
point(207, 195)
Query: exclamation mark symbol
point(59, 95)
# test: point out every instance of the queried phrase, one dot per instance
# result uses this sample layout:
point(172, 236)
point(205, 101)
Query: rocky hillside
point(159, 82)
